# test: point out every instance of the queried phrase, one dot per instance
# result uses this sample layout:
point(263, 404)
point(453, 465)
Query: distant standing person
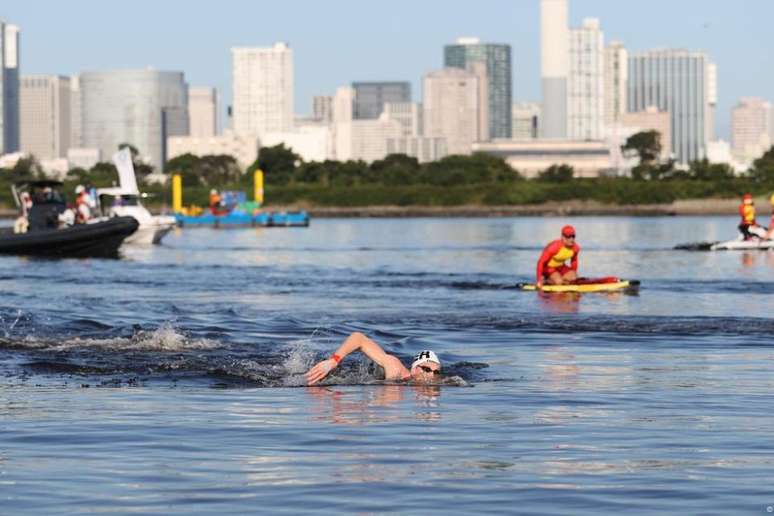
point(552, 265)
point(424, 369)
point(214, 202)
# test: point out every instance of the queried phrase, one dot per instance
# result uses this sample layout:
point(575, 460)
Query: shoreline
point(687, 207)
point(691, 207)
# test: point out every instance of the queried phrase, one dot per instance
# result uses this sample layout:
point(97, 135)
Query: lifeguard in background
point(552, 266)
point(748, 227)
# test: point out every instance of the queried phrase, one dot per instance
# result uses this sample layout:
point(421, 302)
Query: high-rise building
point(139, 107)
point(76, 118)
point(9, 88)
point(526, 120)
point(712, 100)
point(496, 91)
point(649, 119)
point(203, 112)
point(322, 108)
point(409, 114)
point(680, 82)
point(451, 101)
point(751, 128)
point(263, 89)
point(586, 82)
point(45, 116)
point(616, 82)
point(359, 139)
point(370, 97)
point(554, 65)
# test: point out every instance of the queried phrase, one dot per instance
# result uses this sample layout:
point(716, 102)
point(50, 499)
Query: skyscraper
point(202, 112)
point(370, 97)
point(451, 100)
point(751, 128)
point(616, 81)
point(139, 107)
point(263, 89)
point(9, 88)
point(470, 54)
point(554, 65)
point(45, 116)
point(586, 82)
point(682, 83)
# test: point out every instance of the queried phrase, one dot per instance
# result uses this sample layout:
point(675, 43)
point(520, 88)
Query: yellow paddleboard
point(587, 287)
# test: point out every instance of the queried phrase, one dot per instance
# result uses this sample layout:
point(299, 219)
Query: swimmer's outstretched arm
point(357, 341)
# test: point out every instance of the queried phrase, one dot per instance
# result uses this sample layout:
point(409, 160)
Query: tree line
point(400, 179)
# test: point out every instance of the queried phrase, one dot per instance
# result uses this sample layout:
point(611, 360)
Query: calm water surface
point(171, 381)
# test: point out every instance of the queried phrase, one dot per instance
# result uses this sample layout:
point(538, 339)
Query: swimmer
point(424, 369)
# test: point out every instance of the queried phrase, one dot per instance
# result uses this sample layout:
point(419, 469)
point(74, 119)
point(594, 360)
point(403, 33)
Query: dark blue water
point(171, 381)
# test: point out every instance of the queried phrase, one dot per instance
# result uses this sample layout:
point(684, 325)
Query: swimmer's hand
point(320, 371)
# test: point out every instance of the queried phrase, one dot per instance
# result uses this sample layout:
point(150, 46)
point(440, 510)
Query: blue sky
point(339, 41)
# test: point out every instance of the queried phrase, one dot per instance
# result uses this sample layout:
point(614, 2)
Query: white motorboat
point(739, 244)
point(743, 245)
point(127, 202)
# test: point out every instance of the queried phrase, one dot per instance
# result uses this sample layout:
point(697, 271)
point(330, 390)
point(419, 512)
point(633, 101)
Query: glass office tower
point(497, 61)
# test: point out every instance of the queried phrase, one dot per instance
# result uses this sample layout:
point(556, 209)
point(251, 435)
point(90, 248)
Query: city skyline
point(86, 36)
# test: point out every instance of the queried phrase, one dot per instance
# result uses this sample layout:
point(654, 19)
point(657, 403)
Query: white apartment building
point(525, 120)
point(202, 112)
point(262, 89)
point(311, 141)
point(244, 148)
point(82, 157)
point(45, 116)
point(554, 66)
point(322, 108)
point(423, 148)
point(76, 112)
point(451, 101)
point(650, 119)
point(751, 128)
point(9, 88)
point(408, 114)
point(586, 82)
point(616, 81)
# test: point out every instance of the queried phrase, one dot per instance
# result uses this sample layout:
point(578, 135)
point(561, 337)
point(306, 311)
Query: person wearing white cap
point(424, 369)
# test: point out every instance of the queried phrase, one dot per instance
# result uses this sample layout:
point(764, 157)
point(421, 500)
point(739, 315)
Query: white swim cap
point(79, 189)
point(425, 356)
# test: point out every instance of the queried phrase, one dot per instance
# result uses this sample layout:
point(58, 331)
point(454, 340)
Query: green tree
point(763, 167)
point(557, 174)
point(703, 170)
point(277, 163)
point(647, 144)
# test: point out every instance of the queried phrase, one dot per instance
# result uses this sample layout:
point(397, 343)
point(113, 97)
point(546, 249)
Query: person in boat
point(424, 368)
point(748, 226)
point(214, 202)
point(552, 265)
point(82, 209)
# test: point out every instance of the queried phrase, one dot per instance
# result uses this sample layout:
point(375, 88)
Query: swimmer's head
point(426, 367)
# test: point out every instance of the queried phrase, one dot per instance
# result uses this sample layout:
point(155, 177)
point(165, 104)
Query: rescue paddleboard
point(608, 284)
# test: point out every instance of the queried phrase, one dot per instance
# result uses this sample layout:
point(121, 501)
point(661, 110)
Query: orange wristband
point(336, 357)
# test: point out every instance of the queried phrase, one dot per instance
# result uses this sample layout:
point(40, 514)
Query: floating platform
point(237, 219)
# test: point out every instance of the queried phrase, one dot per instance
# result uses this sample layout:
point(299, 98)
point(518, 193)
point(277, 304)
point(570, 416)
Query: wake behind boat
point(606, 284)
